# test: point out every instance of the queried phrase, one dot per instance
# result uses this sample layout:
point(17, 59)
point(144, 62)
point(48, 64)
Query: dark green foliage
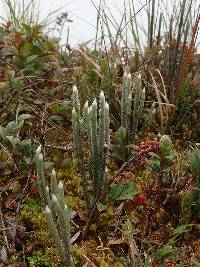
point(161, 163)
point(121, 149)
point(167, 252)
point(123, 191)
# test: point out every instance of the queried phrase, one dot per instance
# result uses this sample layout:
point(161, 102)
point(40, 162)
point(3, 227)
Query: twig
point(68, 147)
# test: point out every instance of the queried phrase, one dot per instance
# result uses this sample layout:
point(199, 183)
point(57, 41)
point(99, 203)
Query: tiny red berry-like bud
point(140, 200)
point(34, 178)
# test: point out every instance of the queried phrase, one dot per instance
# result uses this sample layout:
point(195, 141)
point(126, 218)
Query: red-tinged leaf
point(140, 200)
point(54, 83)
point(33, 189)
point(18, 38)
point(34, 177)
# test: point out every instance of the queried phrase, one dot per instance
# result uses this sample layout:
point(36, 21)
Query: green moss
point(97, 252)
point(105, 218)
point(42, 238)
point(31, 214)
point(52, 255)
point(45, 254)
point(39, 260)
point(72, 186)
point(47, 258)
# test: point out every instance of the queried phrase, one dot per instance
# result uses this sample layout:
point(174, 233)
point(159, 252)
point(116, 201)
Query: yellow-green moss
point(95, 251)
point(42, 238)
point(38, 259)
point(32, 215)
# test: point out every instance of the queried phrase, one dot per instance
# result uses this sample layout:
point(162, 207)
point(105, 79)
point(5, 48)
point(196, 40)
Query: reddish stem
point(187, 57)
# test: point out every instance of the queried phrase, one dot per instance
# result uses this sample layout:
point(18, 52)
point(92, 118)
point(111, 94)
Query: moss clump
point(72, 187)
point(52, 255)
point(105, 218)
point(39, 260)
point(98, 253)
point(31, 215)
point(47, 258)
point(42, 238)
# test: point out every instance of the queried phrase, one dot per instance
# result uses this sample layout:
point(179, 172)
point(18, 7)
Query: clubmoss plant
point(121, 149)
point(126, 105)
point(166, 149)
point(126, 134)
point(56, 211)
point(161, 163)
point(94, 122)
point(62, 247)
point(150, 118)
point(126, 101)
point(138, 105)
point(78, 131)
point(44, 192)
